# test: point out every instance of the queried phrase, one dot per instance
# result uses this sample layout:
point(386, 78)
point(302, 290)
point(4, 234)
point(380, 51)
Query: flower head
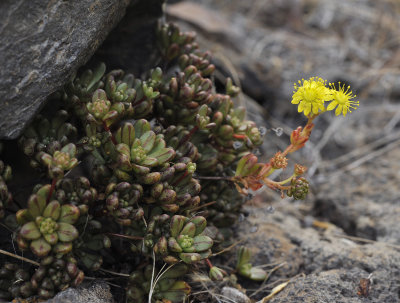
point(311, 95)
point(341, 99)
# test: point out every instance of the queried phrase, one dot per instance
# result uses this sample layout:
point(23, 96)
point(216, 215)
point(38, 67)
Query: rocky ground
point(348, 229)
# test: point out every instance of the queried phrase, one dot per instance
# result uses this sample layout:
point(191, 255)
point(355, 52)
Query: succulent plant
point(47, 136)
point(172, 42)
point(14, 282)
point(228, 203)
point(47, 226)
point(77, 192)
point(185, 240)
point(246, 269)
point(88, 248)
point(122, 202)
point(79, 91)
point(61, 161)
point(139, 150)
point(55, 274)
point(167, 289)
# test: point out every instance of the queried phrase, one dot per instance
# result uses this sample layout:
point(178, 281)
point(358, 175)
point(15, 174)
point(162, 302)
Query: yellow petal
point(338, 110)
point(307, 109)
point(332, 105)
point(301, 107)
point(315, 109)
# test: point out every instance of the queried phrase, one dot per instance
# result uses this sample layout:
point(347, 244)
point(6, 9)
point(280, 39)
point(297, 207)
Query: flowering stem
point(215, 178)
point(53, 185)
point(274, 184)
point(286, 180)
point(238, 136)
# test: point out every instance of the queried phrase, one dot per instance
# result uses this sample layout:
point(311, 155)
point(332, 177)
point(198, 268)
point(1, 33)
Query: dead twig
point(4, 252)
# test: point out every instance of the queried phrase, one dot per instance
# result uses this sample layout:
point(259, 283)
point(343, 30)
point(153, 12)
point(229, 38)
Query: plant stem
point(238, 136)
point(108, 130)
point(53, 186)
point(115, 273)
point(204, 205)
point(209, 263)
point(125, 236)
point(215, 178)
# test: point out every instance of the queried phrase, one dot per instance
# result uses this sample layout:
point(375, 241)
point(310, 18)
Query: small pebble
point(234, 295)
point(278, 131)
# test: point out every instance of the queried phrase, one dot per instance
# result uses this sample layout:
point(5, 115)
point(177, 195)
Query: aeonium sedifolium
point(311, 96)
point(145, 175)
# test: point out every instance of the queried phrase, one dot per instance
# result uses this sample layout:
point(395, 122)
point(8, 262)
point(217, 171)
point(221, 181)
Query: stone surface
point(95, 292)
point(322, 264)
point(42, 43)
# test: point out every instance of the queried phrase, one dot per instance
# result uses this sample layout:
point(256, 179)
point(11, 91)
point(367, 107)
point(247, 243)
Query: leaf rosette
point(140, 149)
point(46, 226)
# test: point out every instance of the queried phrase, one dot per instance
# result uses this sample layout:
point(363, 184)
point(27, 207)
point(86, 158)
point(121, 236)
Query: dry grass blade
point(115, 273)
point(4, 252)
point(264, 285)
point(274, 292)
point(358, 239)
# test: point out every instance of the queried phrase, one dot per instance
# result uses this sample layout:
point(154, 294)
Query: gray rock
point(42, 43)
point(323, 265)
point(95, 292)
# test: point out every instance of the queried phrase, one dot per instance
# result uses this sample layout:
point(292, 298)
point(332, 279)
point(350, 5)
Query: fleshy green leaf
point(52, 210)
point(30, 231)
point(176, 226)
point(190, 258)
point(141, 126)
point(69, 149)
point(177, 292)
point(62, 248)
point(148, 139)
point(67, 232)
point(52, 239)
point(189, 229)
point(126, 134)
point(36, 205)
point(23, 216)
point(40, 247)
point(202, 243)
point(69, 214)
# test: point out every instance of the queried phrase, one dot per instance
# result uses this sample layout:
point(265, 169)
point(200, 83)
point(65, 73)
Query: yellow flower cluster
point(312, 94)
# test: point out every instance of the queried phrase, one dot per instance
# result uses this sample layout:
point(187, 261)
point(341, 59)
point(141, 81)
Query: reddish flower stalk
point(107, 129)
point(209, 263)
point(53, 186)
